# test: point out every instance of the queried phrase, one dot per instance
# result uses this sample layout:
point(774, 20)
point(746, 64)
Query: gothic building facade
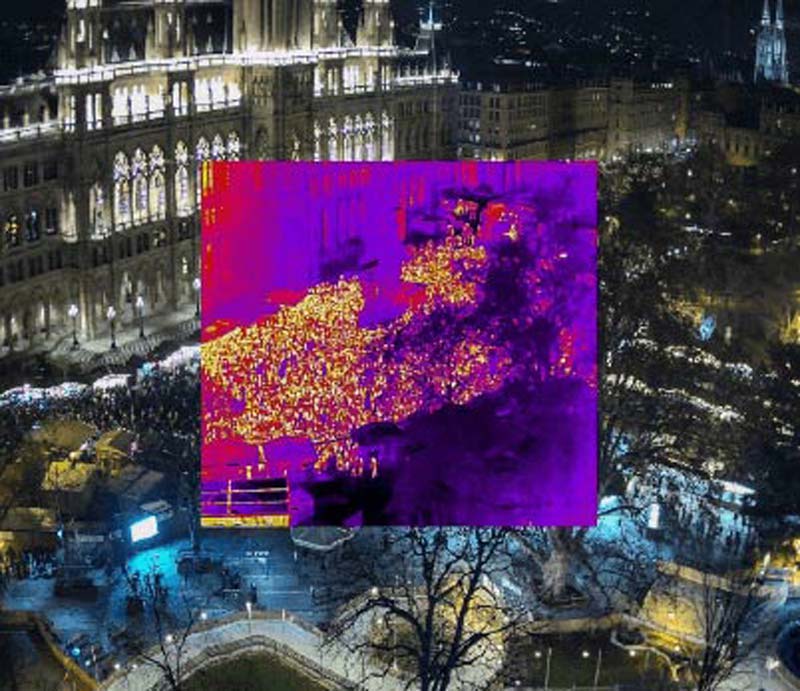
point(771, 62)
point(101, 158)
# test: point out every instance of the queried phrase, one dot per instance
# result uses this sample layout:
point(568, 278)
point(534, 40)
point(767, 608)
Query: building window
point(317, 144)
point(122, 191)
point(140, 191)
point(10, 178)
point(158, 198)
point(202, 154)
point(358, 140)
point(347, 137)
point(332, 141)
point(182, 200)
point(50, 170)
point(30, 175)
point(51, 221)
point(234, 147)
point(94, 111)
point(369, 137)
point(387, 137)
point(218, 148)
point(180, 98)
point(33, 226)
point(12, 230)
point(97, 211)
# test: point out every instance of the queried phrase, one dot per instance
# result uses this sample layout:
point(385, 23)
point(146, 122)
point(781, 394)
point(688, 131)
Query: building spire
point(779, 15)
point(766, 18)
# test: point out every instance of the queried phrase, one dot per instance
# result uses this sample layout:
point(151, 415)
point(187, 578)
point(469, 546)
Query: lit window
point(32, 226)
point(12, 230)
point(158, 199)
point(122, 201)
point(202, 153)
point(218, 148)
point(234, 147)
point(182, 200)
point(140, 191)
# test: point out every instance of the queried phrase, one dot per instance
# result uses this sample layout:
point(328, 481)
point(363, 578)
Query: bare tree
point(165, 631)
point(435, 612)
point(720, 622)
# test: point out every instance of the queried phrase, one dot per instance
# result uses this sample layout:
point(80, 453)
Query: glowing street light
point(140, 310)
point(73, 313)
point(196, 286)
point(111, 315)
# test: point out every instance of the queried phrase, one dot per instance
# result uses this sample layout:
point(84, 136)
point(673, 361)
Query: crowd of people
point(21, 564)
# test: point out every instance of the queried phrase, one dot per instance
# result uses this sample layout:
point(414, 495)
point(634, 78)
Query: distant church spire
point(771, 62)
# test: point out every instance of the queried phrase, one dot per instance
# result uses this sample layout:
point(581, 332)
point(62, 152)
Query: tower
point(375, 27)
point(80, 43)
point(771, 63)
point(268, 25)
point(327, 24)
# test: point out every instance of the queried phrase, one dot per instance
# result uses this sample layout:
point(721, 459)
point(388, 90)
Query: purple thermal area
point(409, 343)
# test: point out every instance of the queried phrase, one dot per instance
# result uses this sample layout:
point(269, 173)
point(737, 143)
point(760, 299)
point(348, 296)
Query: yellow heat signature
point(311, 371)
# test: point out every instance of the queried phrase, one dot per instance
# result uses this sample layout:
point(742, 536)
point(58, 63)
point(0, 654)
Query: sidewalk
point(242, 636)
point(177, 325)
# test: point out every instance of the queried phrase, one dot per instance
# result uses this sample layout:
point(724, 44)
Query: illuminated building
point(592, 120)
point(771, 64)
point(101, 157)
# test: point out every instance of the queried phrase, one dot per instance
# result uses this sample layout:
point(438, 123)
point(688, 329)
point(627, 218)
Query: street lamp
point(73, 313)
point(249, 606)
point(140, 310)
point(111, 314)
point(196, 286)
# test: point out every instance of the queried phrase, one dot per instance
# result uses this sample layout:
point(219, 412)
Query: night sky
point(708, 29)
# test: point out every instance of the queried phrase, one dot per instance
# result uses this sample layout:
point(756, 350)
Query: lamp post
point(196, 286)
point(73, 313)
point(547, 669)
point(140, 310)
point(111, 314)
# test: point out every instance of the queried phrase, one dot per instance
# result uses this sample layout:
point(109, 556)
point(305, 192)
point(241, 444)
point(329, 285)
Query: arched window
point(12, 230)
point(122, 191)
point(183, 202)
point(347, 137)
point(369, 137)
point(234, 147)
point(358, 140)
point(317, 143)
point(202, 153)
point(140, 191)
point(387, 137)
point(33, 226)
point(218, 148)
point(333, 144)
point(97, 211)
point(262, 145)
point(158, 192)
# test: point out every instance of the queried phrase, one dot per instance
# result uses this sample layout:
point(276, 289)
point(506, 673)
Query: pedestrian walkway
point(177, 325)
point(270, 632)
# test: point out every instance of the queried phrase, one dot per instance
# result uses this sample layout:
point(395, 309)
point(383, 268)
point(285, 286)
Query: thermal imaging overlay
point(399, 344)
